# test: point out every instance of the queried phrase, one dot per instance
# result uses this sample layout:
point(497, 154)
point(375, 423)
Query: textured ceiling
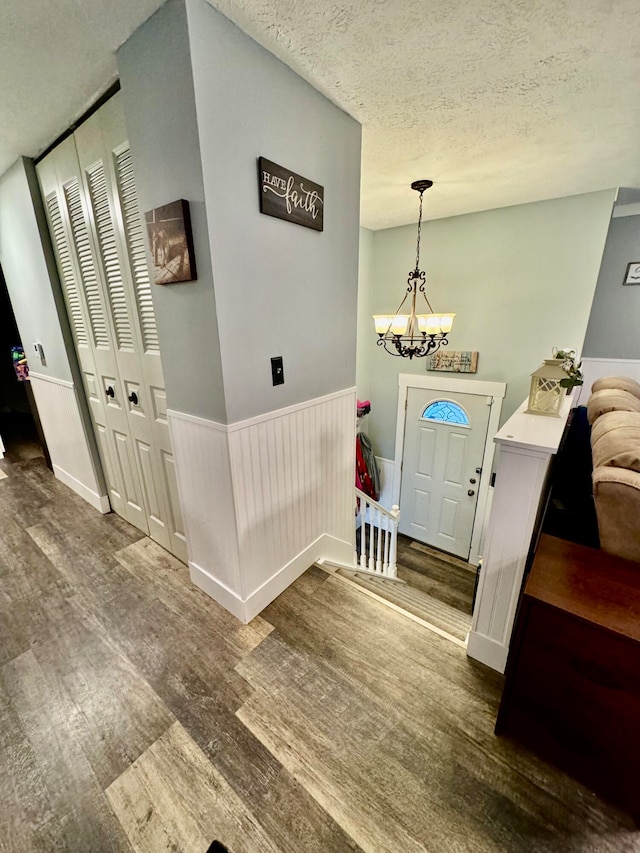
point(498, 101)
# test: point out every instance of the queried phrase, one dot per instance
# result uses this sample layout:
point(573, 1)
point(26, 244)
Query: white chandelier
point(414, 335)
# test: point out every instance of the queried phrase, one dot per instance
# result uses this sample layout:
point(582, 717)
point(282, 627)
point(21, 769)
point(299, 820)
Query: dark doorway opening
point(20, 426)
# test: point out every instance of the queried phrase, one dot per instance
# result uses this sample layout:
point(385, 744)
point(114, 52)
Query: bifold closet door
point(107, 170)
point(104, 172)
point(64, 198)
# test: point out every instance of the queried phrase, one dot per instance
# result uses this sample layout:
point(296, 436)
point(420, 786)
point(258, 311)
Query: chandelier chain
point(419, 231)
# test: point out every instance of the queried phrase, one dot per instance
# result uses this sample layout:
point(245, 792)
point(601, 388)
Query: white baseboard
point(324, 547)
point(487, 651)
point(99, 502)
point(337, 550)
point(215, 589)
point(277, 584)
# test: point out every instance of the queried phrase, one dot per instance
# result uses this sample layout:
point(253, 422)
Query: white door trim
point(496, 390)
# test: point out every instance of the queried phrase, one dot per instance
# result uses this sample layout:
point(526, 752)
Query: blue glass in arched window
point(446, 412)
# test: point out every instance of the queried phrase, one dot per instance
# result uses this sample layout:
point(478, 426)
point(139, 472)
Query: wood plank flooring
point(437, 588)
point(138, 715)
point(440, 575)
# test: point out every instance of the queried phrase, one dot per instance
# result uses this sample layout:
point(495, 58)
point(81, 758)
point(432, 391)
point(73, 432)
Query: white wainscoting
point(66, 439)
point(203, 470)
point(266, 497)
point(386, 467)
point(595, 368)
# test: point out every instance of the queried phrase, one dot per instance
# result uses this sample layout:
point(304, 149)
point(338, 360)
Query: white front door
point(444, 441)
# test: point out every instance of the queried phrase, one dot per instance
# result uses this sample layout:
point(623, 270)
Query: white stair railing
point(377, 549)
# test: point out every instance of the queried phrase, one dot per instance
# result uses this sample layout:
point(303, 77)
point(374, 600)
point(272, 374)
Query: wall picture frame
point(632, 275)
point(171, 243)
point(289, 196)
point(453, 361)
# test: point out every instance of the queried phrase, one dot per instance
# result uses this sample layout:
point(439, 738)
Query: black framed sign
point(632, 275)
point(286, 195)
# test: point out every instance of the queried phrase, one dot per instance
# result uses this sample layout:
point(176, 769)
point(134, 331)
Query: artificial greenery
point(574, 374)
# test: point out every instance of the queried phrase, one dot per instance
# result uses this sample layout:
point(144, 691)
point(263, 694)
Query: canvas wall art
point(171, 243)
point(453, 361)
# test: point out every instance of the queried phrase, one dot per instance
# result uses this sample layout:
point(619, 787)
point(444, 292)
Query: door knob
point(110, 392)
point(133, 398)
point(471, 492)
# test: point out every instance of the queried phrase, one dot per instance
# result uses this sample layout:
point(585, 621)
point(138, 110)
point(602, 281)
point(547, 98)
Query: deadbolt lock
point(472, 480)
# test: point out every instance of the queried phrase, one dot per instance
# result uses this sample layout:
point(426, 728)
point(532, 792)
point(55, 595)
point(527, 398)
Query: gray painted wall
point(614, 323)
point(365, 273)
point(27, 272)
point(281, 289)
point(201, 107)
point(521, 280)
point(160, 111)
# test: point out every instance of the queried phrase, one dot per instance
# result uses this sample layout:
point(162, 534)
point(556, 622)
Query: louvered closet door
point(105, 162)
point(83, 289)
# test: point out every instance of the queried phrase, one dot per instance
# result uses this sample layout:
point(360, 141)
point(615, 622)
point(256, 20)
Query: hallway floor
point(136, 714)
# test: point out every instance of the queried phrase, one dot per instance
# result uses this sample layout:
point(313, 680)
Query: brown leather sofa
point(613, 411)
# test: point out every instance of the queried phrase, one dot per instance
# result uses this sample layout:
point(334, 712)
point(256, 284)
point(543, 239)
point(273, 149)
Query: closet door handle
point(133, 398)
point(110, 392)
point(471, 493)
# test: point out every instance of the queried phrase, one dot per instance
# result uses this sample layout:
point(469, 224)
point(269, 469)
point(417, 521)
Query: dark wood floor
point(136, 714)
point(443, 577)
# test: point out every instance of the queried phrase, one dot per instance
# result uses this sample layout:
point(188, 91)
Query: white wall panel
point(595, 368)
point(293, 474)
point(386, 467)
point(62, 425)
point(203, 472)
point(264, 498)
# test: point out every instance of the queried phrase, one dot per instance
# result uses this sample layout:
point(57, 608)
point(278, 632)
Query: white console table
point(526, 445)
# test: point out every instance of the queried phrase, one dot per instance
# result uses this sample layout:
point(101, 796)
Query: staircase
point(374, 569)
point(376, 537)
point(445, 618)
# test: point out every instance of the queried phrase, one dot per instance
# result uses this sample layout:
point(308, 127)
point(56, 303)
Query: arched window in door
point(446, 412)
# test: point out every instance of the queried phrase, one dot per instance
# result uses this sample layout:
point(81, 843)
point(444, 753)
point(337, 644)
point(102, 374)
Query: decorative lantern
point(546, 394)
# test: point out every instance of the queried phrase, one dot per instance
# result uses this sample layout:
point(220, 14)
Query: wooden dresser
point(572, 688)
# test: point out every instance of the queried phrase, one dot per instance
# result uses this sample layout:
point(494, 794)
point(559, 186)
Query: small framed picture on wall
point(171, 243)
point(632, 275)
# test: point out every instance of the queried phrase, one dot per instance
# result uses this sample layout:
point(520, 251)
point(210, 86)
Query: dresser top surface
point(589, 583)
